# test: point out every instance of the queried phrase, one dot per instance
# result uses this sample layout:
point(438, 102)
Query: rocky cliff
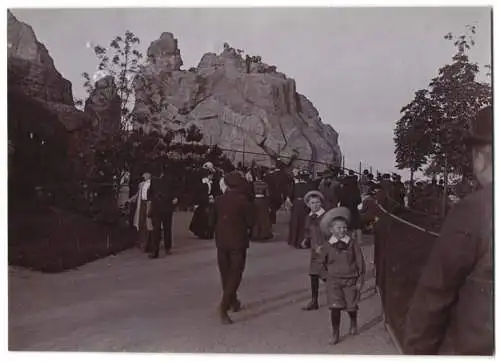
point(41, 107)
point(239, 103)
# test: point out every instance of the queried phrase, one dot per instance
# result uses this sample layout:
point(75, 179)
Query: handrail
point(405, 221)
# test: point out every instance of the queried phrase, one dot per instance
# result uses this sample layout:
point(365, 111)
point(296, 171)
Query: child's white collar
point(318, 213)
point(333, 240)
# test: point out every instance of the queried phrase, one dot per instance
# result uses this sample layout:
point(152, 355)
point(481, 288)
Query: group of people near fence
point(452, 309)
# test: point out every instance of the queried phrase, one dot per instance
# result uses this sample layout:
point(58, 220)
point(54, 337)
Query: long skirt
point(202, 223)
point(262, 229)
point(296, 227)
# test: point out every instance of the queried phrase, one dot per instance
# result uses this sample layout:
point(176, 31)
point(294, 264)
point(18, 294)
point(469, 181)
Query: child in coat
point(313, 239)
point(345, 266)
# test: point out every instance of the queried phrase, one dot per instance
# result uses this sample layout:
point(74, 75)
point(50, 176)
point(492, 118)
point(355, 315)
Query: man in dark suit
point(452, 310)
point(163, 200)
point(234, 218)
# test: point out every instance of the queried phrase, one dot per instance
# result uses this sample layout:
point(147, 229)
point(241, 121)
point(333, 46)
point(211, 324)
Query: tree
point(457, 97)
point(412, 136)
point(122, 61)
point(434, 124)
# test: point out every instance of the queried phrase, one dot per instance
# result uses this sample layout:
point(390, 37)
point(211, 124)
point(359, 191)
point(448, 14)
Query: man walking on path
point(452, 309)
point(163, 200)
point(234, 218)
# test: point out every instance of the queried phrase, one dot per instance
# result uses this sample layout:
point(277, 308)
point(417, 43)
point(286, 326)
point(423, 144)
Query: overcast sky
point(358, 66)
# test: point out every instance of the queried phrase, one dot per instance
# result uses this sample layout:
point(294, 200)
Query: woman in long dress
point(262, 229)
point(202, 223)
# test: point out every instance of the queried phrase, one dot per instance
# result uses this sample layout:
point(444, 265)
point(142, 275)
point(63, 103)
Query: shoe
point(335, 319)
point(236, 307)
point(353, 329)
point(224, 318)
point(335, 336)
point(153, 256)
point(313, 305)
point(168, 252)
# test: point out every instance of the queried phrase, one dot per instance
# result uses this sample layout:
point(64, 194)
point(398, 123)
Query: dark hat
point(234, 179)
point(481, 130)
point(329, 216)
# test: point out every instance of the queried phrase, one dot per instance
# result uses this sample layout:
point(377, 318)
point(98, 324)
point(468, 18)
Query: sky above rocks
point(358, 66)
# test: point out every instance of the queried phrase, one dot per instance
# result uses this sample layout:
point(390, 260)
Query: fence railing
point(402, 245)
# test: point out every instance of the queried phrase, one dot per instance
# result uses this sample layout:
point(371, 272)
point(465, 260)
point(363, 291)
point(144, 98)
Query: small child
point(313, 239)
point(345, 266)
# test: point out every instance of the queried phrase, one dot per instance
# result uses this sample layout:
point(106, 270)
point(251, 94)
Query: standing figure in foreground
point(313, 239)
point(452, 310)
point(345, 269)
point(233, 221)
point(163, 200)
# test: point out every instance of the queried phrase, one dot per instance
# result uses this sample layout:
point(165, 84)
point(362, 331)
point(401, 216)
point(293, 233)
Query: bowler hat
point(481, 130)
point(313, 193)
point(329, 216)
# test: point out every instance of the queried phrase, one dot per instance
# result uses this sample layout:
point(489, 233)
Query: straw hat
point(329, 216)
point(313, 193)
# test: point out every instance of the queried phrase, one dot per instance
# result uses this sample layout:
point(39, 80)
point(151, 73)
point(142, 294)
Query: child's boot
point(313, 304)
point(335, 319)
point(353, 330)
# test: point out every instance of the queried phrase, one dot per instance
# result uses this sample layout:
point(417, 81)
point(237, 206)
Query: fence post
point(244, 144)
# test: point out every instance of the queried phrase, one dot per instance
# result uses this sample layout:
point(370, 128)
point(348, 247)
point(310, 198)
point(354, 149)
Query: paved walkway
point(132, 304)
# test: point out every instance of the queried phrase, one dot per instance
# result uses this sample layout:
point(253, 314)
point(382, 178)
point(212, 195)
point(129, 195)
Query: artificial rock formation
point(104, 106)
point(33, 78)
point(41, 106)
point(238, 102)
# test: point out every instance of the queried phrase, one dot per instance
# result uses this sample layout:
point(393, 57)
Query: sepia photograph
point(250, 180)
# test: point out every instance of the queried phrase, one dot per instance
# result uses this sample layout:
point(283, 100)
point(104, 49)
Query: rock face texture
point(33, 79)
point(238, 103)
point(49, 136)
point(32, 67)
point(104, 106)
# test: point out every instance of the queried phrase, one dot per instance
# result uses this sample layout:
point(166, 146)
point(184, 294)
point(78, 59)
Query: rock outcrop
point(32, 74)
point(34, 80)
point(41, 108)
point(238, 103)
point(32, 69)
point(104, 106)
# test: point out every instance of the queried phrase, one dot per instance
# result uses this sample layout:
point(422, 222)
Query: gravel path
point(132, 304)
